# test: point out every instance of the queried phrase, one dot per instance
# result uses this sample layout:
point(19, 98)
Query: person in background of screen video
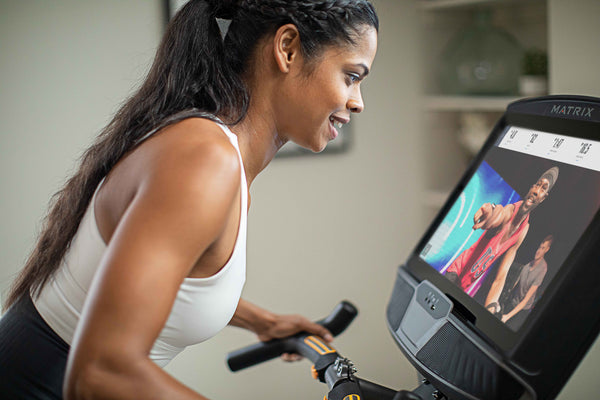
point(520, 298)
point(505, 229)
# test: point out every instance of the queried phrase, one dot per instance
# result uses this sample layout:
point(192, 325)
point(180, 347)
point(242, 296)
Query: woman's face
point(317, 103)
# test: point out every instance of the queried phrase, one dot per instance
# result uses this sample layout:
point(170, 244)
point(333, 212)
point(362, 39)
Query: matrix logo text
point(585, 112)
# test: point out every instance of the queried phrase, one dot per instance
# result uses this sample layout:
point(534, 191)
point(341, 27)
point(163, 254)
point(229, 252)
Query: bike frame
point(329, 366)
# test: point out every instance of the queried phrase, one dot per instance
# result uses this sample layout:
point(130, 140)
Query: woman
point(143, 251)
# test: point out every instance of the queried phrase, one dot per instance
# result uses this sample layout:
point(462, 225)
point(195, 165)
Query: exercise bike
point(447, 312)
point(329, 366)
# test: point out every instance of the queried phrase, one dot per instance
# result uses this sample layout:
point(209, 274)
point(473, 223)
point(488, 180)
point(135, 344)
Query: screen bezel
point(491, 329)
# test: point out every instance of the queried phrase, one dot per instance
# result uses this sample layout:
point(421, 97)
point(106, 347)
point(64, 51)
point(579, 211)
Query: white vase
point(533, 85)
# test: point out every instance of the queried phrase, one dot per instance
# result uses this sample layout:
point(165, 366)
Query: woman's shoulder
point(181, 160)
point(195, 134)
point(183, 165)
point(195, 146)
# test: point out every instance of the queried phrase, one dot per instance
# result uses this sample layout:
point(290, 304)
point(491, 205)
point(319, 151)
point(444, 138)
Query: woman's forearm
point(253, 318)
point(268, 325)
point(125, 380)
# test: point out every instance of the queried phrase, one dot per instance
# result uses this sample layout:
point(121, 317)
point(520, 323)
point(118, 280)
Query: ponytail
point(192, 64)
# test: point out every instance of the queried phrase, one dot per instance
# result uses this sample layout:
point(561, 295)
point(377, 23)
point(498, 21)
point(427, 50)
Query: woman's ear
point(286, 47)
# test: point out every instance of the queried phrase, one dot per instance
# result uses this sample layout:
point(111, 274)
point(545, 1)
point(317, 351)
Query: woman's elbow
point(101, 379)
point(83, 382)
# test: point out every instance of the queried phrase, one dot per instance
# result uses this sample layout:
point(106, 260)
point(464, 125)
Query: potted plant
point(534, 73)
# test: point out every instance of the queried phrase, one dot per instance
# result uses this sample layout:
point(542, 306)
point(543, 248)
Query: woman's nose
point(355, 103)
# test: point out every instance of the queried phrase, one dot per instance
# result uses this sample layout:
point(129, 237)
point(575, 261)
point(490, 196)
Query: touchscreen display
point(518, 218)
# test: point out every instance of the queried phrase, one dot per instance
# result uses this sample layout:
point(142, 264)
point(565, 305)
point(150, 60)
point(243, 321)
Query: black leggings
point(32, 356)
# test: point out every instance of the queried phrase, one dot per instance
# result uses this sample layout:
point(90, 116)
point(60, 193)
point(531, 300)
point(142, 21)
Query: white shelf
point(440, 4)
point(445, 4)
point(468, 103)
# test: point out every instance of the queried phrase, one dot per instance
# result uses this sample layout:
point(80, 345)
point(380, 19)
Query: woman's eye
point(353, 78)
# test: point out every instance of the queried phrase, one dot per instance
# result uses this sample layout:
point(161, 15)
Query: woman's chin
point(320, 148)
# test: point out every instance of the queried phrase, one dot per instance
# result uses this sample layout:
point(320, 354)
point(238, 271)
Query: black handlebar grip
point(336, 322)
point(256, 354)
point(340, 318)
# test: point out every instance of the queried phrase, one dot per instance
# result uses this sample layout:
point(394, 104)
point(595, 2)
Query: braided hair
point(320, 23)
point(195, 73)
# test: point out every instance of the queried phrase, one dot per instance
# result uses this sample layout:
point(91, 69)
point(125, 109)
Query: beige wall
point(321, 228)
point(65, 66)
point(574, 50)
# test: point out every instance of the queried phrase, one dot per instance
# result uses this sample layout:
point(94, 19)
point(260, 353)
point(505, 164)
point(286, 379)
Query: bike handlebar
point(336, 322)
point(329, 367)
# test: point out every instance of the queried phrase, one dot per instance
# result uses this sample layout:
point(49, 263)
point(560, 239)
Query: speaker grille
point(456, 360)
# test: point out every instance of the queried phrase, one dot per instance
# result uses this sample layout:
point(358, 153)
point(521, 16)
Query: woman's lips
point(336, 122)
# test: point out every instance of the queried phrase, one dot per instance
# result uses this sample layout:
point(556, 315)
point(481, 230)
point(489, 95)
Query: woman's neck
point(258, 140)
point(257, 133)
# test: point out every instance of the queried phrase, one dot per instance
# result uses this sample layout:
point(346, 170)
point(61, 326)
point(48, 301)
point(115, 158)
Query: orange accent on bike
point(314, 373)
point(317, 345)
point(352, 397)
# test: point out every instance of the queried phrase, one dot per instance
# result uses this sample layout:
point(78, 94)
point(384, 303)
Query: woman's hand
point(287, 325)
point(282, 326)
point(268, 325)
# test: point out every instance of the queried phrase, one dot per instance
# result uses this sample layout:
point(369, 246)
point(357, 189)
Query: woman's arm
point(179, 210)
point(268, 325)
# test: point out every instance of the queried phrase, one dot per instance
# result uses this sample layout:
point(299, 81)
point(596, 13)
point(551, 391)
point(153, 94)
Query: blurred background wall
point(321, 228)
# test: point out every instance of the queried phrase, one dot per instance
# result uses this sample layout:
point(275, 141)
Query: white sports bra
point(202, 308)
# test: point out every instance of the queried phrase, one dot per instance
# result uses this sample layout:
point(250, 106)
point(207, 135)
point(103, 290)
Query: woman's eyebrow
point(365, 69)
